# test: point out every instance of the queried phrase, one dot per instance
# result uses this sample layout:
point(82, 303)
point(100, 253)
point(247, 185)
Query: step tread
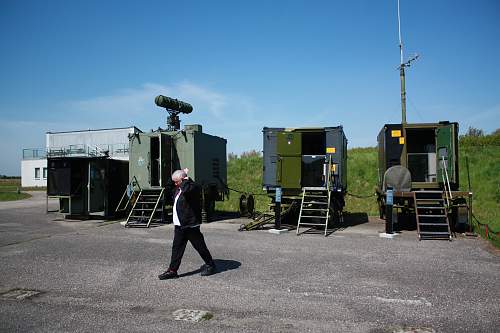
point(316, 202)
point(317, 216)
point(317, 224)
point(430, 207)
point(431, 215)
point(435, 224)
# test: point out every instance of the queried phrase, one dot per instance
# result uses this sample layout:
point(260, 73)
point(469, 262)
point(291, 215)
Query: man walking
point(187, 220)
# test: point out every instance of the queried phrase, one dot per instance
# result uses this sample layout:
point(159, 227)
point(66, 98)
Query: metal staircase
point(314, 209)
point(146, 208)
point(431, 215)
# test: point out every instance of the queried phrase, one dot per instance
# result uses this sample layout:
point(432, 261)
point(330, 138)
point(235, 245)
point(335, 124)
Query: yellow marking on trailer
point(330, 150)
point(402, 140)
point(396, 133)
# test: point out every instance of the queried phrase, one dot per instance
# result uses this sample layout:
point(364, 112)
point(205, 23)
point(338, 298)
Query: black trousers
point(181, 237)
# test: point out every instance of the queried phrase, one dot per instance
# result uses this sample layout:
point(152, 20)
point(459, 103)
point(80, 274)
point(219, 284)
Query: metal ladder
point(145, 207)
point(431, 215)
point(314, 209)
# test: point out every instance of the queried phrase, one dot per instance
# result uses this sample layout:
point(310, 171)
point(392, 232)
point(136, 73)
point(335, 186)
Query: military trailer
point(308, 167)
point(418, 163)
point(87, 170)
point(86, 186)
point(156, 155)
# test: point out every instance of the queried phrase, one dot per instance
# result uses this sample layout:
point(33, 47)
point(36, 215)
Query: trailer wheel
point(247, 205)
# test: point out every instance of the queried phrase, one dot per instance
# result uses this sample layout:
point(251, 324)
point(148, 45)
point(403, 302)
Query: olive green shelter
point(418, 181)
point(156, 155)
point(295, 158)
point(426, 150)
point(308, 167)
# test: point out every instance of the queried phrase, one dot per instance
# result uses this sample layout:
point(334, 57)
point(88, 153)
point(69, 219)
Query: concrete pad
point(278, 231)
point(385, 235)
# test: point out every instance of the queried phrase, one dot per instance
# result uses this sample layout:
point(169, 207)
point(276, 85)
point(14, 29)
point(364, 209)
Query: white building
point(112, 142)
point(34, 168)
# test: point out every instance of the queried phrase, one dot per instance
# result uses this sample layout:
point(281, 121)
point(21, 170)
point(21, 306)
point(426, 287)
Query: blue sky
point(243, 65)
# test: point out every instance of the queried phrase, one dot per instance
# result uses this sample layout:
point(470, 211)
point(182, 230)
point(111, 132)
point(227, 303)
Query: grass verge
point(10, 190)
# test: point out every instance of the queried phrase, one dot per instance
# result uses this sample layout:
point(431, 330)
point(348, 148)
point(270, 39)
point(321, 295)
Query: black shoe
point(207, 270)
point(168, 275)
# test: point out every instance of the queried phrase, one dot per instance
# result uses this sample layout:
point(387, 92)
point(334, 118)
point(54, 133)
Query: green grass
point(9, 190)
point(362, 177)
point(484, 168)
point(244, 174)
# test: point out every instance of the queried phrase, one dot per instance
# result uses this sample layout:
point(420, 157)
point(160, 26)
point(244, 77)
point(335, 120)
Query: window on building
point(44, 173)
point(37, 173)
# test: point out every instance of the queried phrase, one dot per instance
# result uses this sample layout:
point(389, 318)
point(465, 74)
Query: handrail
point(446, 181)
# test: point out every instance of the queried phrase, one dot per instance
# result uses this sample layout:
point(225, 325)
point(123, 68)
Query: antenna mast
point(402, 71)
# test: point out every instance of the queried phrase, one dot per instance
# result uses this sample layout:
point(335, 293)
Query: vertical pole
point(470, 195)
point(388, 211)
point(277, 209)
point(403, 93)
point(402, 72)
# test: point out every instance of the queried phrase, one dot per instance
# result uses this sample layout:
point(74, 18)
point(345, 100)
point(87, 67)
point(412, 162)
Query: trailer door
point(140, 160)
point(96, 186)
point(289, 160)
point(166, 167)
point(270, 156)
point(445, 151)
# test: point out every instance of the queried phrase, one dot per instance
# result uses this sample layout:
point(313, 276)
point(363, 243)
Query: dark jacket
point(189, 203)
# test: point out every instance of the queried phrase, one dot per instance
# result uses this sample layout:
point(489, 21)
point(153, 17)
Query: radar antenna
point(174, 107)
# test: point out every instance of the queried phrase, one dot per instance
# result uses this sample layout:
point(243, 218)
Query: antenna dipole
point(400, 39)
point(402, 66)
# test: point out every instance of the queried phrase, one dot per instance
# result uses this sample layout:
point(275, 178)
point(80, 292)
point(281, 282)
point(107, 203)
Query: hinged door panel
point(96, 186)
point(140, 160)
point(289, 144)
point(445, 151)
point(289, 171)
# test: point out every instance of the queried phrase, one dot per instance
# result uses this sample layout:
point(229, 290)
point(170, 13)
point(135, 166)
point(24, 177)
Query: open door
point(166, 164)
point(445, 151)
point(140, 160)
point(288, 171)
point(96, 186)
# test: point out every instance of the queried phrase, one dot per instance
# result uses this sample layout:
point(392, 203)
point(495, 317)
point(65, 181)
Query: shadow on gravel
point(222, 265)
point(352, 219)
point(223, 215)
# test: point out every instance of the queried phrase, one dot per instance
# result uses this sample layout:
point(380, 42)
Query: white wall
point(28, 173)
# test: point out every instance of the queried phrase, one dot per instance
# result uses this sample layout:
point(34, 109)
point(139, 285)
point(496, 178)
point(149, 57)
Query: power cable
point(360, 196)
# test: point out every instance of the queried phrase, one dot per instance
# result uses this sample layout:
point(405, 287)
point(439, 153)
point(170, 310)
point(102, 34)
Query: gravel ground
point(99, 276)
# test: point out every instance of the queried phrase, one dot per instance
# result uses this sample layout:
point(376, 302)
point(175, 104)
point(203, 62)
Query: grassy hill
point(245, 174)
point(484, 168)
